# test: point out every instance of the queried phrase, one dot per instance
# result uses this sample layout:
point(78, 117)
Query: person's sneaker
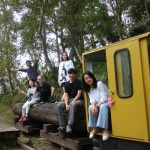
point(21, 119)
point(41, 102)
point(25, 118)
point(61, 128)
point(69, 128)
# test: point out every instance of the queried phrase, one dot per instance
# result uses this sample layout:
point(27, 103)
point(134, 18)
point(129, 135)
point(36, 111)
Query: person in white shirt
point(64, 66)
point(99, 108)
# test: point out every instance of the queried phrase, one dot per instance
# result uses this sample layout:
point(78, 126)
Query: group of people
point(72, 99)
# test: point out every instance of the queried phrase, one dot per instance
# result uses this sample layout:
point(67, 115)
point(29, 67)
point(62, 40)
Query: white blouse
point(99, 94)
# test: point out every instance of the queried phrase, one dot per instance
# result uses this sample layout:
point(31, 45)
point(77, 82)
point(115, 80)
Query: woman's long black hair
point(86, 86)
point(32, 81)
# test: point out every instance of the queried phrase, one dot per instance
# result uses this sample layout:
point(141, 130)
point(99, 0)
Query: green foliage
point(55, 26)
point(6, 114)
point(140, 13)
point(10, 101)
point(100, 70)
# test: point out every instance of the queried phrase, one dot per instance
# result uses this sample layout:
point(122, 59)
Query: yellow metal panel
point(146, 75)
point(85, 95)
point(128, 114)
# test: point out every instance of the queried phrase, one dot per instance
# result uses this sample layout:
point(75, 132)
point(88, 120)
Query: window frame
point(115, 62)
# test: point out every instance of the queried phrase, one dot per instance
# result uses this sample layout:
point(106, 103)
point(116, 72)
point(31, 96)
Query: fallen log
point(47, 113)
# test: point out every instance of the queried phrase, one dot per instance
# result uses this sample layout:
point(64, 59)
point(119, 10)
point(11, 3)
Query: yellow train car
point(128, 71)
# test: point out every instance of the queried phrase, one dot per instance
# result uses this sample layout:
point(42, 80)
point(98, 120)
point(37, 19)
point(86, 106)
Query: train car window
point(123, 73)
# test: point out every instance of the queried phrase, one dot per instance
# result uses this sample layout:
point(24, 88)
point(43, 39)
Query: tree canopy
point(55, 26)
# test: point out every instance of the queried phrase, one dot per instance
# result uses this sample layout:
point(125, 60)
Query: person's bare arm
point(13, 69)
point(35, 90)
point(66, 97)
point(52, 91)
point(24, 93)
point(39, 55)
point(77, 96)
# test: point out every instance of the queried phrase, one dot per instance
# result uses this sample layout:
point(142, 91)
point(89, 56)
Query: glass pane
point(123, 73)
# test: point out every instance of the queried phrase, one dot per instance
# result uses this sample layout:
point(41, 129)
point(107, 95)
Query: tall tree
point(140, 17)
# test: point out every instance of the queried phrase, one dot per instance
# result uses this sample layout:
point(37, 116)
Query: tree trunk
point(42, 35)
point(48, 113)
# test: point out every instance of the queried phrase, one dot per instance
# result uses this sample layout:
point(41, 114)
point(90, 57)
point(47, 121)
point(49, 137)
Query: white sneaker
point(69, 128)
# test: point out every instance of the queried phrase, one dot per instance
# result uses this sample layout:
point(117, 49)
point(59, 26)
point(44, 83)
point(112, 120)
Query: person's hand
point(38, 93)
point(11, 69)
point(95, 111)
point(67, 107)
point(22, 92)
point(40, 52)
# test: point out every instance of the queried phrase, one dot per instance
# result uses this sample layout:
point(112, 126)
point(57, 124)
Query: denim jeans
point(62, 106)
point(101, 120)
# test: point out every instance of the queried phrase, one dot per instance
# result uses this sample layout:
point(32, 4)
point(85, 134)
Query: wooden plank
point(73, 144)
point(26, 147)
point(7, 128)
point(27, 127)
point(9, 135)
point(30, 122)
point(49, 128)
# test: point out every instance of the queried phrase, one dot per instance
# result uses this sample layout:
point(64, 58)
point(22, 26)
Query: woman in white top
point(99, 108)
point(32, 99)
point(64, 66)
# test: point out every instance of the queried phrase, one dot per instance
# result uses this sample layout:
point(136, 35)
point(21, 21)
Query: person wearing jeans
point(73, 99)
point(99, 108)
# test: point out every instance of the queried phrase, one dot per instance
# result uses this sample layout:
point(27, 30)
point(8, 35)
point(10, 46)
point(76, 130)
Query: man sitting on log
point(73, 99)
point(45, 90)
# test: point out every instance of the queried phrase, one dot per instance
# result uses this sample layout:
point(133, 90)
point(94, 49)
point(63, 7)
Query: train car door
point(128, 114)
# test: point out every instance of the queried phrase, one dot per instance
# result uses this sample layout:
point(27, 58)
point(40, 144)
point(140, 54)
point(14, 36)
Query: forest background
point(56, 26)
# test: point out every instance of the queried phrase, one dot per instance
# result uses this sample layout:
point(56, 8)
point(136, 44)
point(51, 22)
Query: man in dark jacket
point(31, 70)
point(45, 90)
